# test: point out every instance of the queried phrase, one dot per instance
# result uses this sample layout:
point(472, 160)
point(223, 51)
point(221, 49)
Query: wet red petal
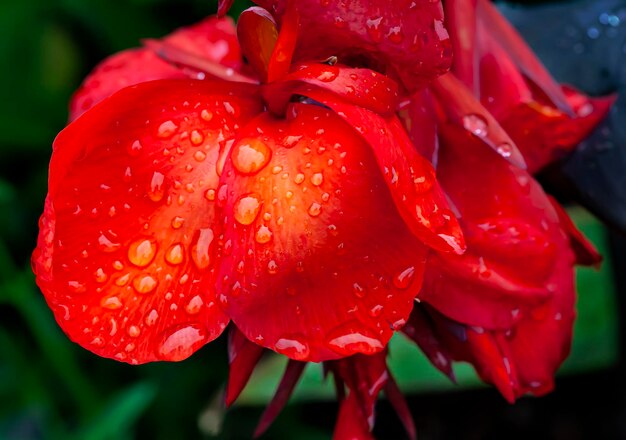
point(362, 87)
point(282, 55)
point(517, 254)
point(465, 111)
point(403, 38)
point(257, 33)
point(461, 23)
point(212, 39)
point(422, 331)
point(283, 392)
point(545, 134)
point(586, 252)
point(409, 177)
point(504, 33)
point(317, 264)
point(243, 356)
point(419, 120)
point(125, 251)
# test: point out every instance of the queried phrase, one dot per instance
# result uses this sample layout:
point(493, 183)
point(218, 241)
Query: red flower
point(304, 206)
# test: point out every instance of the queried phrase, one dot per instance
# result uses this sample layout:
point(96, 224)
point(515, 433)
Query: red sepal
point(243, 356)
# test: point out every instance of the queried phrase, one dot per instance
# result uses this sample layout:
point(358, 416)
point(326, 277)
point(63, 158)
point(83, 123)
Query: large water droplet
point(201, 251)
point(346, 340)
point(144, 283)
point(196, 137)
point(475, 124)
point(174, 254)
point(247, 208)
point(250, 155)
point(141, 252)
point(404, 279)
point(181, 342)
point(167, 129)
point(317, 179)
point(293, 347)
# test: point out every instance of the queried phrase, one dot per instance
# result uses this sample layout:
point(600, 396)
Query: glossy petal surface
point(404, 38)
point(211, 39)
point(126, 250)
point(243, 356)
point(517, 256)
point(317, 264)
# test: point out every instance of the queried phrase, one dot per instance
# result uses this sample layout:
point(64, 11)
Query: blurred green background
point(53, 389)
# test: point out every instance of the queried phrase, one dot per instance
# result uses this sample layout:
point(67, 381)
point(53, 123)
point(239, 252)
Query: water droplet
point(144, 284)
point(135, 148)
point(177, 222)
point(293, 347)
point(97, 342)
point(358, 290)
point(263, 234)
point(134, 331)
point(329, 74)
point(475, 124)
point(272, 267)
point(250, 155)
point(210, 194)
point(346, 340)
point(299, 178)
point(404, 279)
point(156, 190)
point(174, 254)
point(315, 209)
point(181, 342)
point(291, 141)
point(194, 305)
point(123, 280)
point(206, 115)
point(199, 156)
point(152, 318)
point(167, 129)
point(196, 137)
point(376, 311)
point(100, 275)
point(317, 179)
point(505, 150)
point(141, 252)
point(201, 251)
point(247, 208)
point(107, 245)
point(111, 303)
point(395, 35)
point(373, 28)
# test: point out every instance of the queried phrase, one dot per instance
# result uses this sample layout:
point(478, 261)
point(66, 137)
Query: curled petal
point(361, 87)
point(518, 254)
point(409, 177)
point(405, 39)
point(212, 39)
point(257, 33)
point(461, 24)
point(126, 248)
point(243, 356)
point(316, 262)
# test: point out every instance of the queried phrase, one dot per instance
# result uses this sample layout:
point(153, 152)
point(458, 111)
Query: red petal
point(362, 87)
point(502, 31)
point(465, 111)
point(409, 177)
point(461, 23)
point(125, 251)
point(365, 377)
point(545, 134)
point(257, 33)
point(285, 388)
point(586, 252)
point(312, 242)
point(419, 119)
point(421, 329)
point(404, 38)
point(351, 422)
point(243, 356)
point(280, 61)
point(517, 253)
point(223, 6)
point(212, 39)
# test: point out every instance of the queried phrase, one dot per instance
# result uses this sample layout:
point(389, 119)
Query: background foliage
point(52, 389)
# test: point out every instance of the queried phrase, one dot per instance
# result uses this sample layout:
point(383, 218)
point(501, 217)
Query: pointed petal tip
point(223, 6)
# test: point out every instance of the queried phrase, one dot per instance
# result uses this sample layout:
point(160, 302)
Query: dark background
point(53, 389)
